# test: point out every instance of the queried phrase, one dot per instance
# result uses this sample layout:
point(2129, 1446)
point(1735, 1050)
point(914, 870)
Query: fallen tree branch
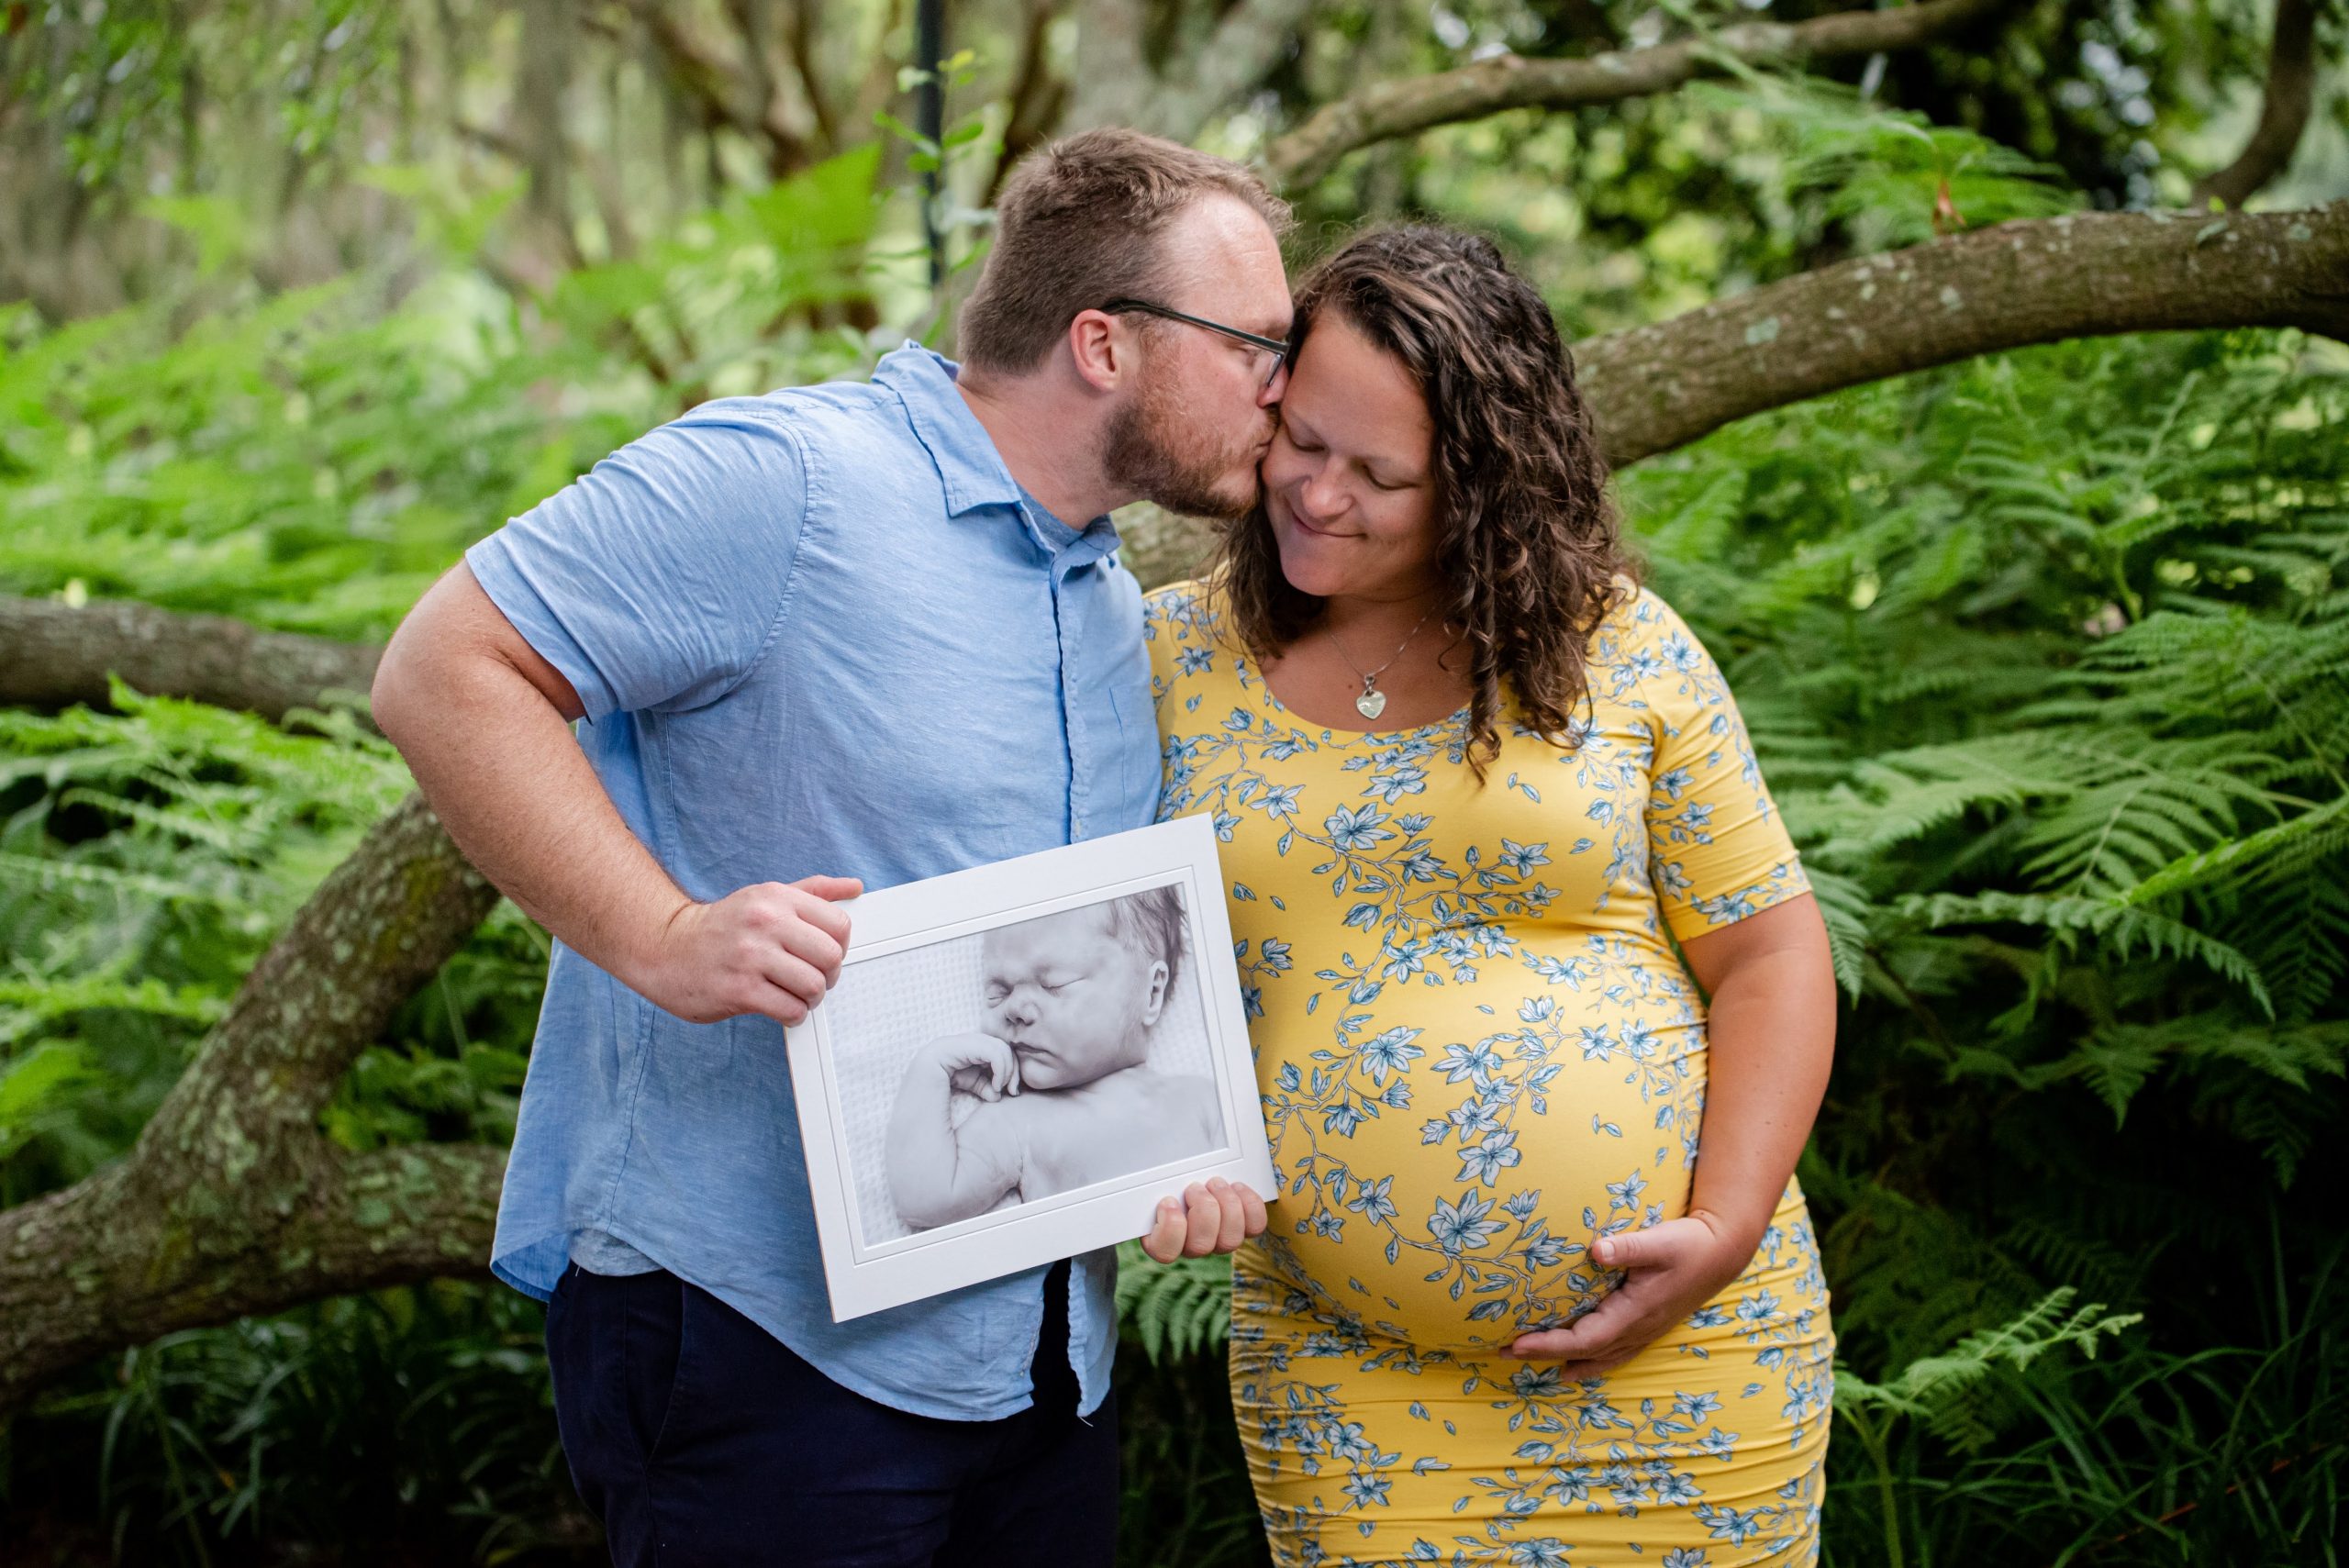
point(1390, 109)
point(53, 655)
point(232, 1201)
point(2284, 109)
point(89, 1271)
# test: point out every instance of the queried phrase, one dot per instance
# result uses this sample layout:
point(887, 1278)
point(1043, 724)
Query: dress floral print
point(1479, 1052)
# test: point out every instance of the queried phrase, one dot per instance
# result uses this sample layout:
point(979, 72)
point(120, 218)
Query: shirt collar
point(968, 464)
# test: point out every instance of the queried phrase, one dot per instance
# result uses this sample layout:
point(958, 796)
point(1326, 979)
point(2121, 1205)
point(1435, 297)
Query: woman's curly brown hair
point(1530, 549)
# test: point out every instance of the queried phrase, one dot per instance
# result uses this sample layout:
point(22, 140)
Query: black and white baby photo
point(1041, 1057)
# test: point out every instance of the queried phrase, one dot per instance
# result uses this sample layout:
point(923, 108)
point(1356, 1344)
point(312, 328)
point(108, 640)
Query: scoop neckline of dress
point(1459, 717)
point(1242, 663)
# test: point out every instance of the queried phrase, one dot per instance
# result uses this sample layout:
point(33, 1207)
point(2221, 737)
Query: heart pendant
point(1371, 704)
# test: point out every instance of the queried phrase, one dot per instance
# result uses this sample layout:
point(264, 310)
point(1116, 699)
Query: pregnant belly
point(1461, 1213)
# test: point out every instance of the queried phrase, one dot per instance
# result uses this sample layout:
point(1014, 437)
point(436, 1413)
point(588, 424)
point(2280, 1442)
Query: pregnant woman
point(1541, 1003)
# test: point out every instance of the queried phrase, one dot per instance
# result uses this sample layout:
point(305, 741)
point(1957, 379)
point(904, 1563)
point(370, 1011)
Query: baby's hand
point(978, 1064)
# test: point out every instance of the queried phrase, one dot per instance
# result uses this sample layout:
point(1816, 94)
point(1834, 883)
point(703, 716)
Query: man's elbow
point(455, 659)
point(395, 698)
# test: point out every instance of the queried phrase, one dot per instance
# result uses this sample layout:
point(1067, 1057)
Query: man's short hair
point(1082, 222)
point(1151, 927)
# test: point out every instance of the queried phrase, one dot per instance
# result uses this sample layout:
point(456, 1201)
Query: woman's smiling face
point(1350, 478)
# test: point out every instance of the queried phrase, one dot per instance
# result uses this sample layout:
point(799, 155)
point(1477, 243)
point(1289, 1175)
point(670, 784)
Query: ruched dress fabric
point(1479, 1051)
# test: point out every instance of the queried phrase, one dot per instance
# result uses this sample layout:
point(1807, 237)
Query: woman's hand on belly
point(1672, 1269)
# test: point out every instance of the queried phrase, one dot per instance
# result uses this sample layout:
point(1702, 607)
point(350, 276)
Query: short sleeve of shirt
point(1717, 851)
point(656, 580)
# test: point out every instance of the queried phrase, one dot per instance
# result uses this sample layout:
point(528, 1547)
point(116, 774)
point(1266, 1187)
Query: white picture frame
point(913, 951)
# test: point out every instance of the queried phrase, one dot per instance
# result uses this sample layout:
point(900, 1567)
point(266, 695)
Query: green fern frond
point(2122, 930)
point(2291, 848)
point(2275, 686)
point(2063, 1250)
point(41, 871)
point(2117, 1060)
point(1937, 1390)
point(201, 827)
point(1175, 1309)
point(32, 1083)
point(2277, 1125)
point(2144, 812)
point(2297, 931)
point(2116, 1063)
point(1844, 904)
point(1903, 796)
point(26, 1005)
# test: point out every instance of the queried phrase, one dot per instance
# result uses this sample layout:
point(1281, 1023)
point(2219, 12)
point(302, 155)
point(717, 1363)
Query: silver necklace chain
point(1373, 702)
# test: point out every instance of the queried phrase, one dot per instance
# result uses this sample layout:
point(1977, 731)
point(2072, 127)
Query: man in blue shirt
point(833, 638)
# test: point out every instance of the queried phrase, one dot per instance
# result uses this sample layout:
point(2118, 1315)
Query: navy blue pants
point(698, 1439)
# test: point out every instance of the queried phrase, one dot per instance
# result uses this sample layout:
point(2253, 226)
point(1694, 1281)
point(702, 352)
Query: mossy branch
point(54, 654)
point(232, 1202)
point(2035, 281)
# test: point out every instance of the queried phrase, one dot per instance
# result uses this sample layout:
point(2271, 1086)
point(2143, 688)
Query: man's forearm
point(483, 722)
point(507, 779)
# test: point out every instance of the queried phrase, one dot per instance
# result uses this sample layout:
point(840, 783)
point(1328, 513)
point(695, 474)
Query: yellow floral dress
point(1479, 1051)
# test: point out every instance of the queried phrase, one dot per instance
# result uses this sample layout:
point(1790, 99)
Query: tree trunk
point(1248, 40)
point(539, 87)
point(1112, 69)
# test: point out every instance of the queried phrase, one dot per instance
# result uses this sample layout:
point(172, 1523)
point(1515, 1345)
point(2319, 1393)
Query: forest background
point(1975, 370)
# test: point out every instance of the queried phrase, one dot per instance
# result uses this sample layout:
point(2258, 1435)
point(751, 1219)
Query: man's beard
point(1155, 449)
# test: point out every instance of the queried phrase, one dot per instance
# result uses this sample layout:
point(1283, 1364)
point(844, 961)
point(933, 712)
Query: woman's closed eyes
point(1307, 445)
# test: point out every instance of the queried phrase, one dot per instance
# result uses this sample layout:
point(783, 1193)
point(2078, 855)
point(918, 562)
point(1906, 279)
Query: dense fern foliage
point(2047, 659)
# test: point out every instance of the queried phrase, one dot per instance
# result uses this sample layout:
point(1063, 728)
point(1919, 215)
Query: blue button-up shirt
point(817, 631)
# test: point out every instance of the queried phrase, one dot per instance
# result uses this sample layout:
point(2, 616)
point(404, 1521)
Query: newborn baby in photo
point(1059, 1092)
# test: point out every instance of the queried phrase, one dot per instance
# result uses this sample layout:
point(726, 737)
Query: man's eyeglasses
point(1273, 346)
